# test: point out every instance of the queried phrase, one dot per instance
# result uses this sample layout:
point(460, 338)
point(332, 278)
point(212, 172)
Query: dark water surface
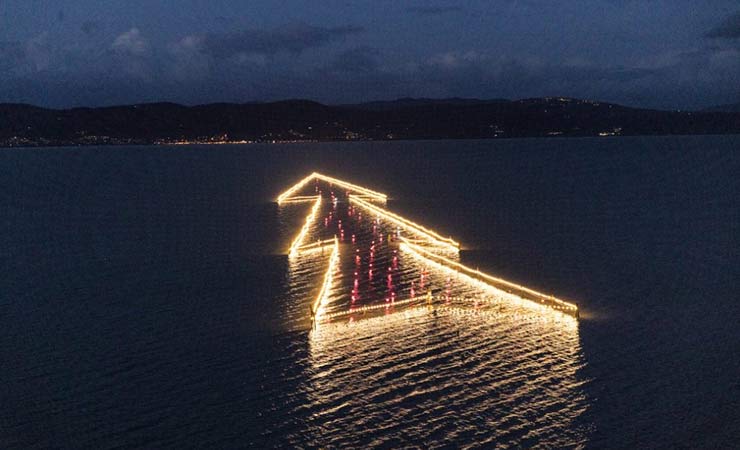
point(146, 299)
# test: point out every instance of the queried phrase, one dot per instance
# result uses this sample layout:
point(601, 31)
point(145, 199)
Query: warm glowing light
point(317, 307)
point(362, 197)
point(458, 308)
point(315, 246)
point(285, 196)
point(367, 308)
point(299, 199)
point(352, 187)
point(400, 221)
point(294, 247)
point(494, 282)
point(295, 188)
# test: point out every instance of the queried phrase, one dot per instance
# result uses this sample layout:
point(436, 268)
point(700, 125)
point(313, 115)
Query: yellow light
point(454, 309)
point(363, 309)
point(547, 300)
point(319, 245)
point(317, 307)
point(299, 199)
point(286, 196)
point(400, 221)
point(295, 188)
point(429, 237)
point(352, 187)
point(495, 292)
point(302, 234)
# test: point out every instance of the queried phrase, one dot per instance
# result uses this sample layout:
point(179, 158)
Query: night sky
point(670, 54)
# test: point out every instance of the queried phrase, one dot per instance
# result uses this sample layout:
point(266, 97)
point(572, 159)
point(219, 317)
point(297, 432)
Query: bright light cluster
point(432, 236)
point(493, 282)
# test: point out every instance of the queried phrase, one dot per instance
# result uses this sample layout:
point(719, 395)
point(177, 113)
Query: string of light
point(294, 247)
point(431, 235)
point(318, 305)
point(427, 256)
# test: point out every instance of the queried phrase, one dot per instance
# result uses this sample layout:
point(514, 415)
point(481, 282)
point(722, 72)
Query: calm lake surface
point(146, 298)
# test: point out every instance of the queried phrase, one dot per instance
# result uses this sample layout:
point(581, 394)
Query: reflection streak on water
point(429, 375)
point(407, 351)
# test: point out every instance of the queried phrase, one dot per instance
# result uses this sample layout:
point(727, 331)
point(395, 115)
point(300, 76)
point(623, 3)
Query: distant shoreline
point(303, 121)
point(217, 144)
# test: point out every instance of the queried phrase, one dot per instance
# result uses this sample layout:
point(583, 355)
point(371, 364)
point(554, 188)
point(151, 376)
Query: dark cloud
point(127, 71)
point(355, 60)
point(433, 10)
point(12, 55)
point(728, 29)
point(290, 39)
point(628, 51)
point(302, 61)
point(130, 42)
point(89, 27)
point(693, 80)
point(25, 58)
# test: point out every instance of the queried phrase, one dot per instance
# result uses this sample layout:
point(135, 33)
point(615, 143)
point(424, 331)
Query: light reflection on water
point(472, 366)
point(446, 374)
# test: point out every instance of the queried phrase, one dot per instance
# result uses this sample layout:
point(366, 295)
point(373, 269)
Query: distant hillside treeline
point(305, 120)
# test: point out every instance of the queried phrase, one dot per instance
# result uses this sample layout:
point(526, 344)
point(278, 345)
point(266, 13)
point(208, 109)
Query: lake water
point(146, 298)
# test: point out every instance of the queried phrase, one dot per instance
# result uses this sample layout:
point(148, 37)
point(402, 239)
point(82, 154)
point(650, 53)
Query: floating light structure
point(362, 197)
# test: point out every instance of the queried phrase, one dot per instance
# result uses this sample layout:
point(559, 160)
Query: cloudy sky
point(653, 53)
